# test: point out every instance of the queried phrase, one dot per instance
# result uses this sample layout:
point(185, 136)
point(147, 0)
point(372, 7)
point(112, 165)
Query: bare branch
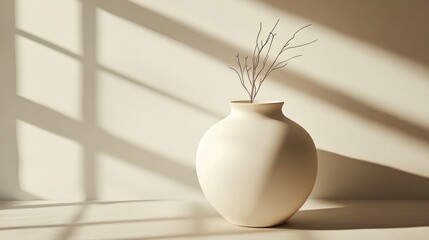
point(264, 63)
point(269, 49)
point(256, 73)
point(261, 48)
point(248, 68)
point(257, 42)
point(241, 80)
point(284, 48)
point(284, 63)
point(259, 87)
point(301, 45)
point(236, 72)
point(294, 35)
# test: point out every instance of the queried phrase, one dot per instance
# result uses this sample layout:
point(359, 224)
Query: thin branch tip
point(257, 69)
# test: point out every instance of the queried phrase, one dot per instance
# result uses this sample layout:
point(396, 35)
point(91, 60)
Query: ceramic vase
point(256, 166)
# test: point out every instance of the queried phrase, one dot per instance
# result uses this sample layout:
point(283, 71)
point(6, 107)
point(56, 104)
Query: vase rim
point(247, 102)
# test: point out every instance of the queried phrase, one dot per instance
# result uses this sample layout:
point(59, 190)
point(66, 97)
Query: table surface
point(171, 219)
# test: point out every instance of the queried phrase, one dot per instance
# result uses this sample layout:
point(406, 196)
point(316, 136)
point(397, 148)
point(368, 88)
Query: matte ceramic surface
point(256, 166)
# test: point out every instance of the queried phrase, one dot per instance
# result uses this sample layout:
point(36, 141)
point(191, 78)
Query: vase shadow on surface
point(363, 215)
point(383, 197)
point(341, 177)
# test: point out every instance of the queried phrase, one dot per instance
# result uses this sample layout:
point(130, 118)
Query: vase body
point(256, 167)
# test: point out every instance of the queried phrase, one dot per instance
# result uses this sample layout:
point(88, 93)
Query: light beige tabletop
point(167, 219)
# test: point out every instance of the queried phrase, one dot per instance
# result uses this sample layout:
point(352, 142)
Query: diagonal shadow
point(74, 223)
point(169, 28)
point(117, 74)
point(363, 215)
point(15, 205)
point(69, 228)
point(341, 177)
point(99, 140)
point(395, 26)
point(161, 92)
point(349, 104)
point(224, 52)
point(146, 159)
point(46, 43)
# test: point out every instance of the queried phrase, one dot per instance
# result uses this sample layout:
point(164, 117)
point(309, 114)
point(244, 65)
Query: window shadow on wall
point(224, 52)
point(396, 26)
point(86, 132)
point(352, 105)
point(95, 139)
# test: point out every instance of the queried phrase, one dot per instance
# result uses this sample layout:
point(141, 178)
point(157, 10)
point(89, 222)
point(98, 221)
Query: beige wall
point(108, 99)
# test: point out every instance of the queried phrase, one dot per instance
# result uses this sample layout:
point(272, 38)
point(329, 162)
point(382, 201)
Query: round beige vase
point(256, 166)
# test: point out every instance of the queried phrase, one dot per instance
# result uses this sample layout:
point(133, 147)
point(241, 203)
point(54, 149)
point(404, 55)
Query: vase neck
point(270, 109)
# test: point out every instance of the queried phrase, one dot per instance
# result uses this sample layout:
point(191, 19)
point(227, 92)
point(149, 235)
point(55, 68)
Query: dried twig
point(256, 74)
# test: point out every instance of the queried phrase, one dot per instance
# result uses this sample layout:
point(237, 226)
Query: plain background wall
point(108, 99)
